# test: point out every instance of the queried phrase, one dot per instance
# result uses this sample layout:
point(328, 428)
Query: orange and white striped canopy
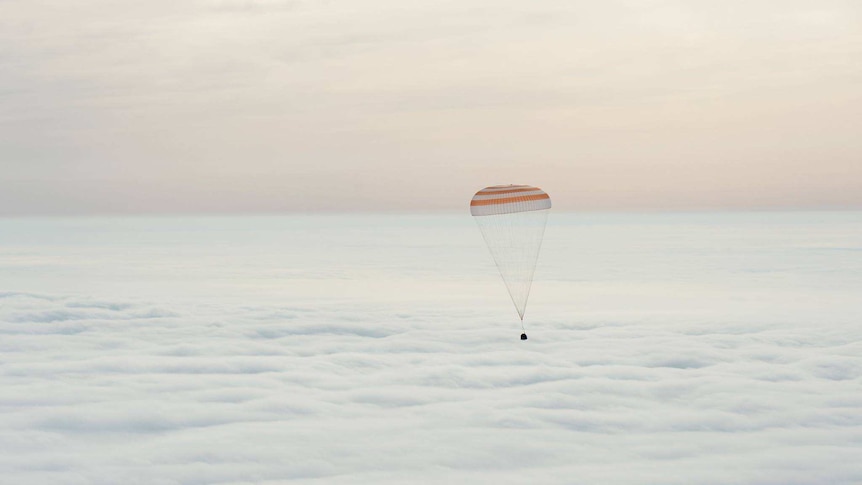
point(506, 199)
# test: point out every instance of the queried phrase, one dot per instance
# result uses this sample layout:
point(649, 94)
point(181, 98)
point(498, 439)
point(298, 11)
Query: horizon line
point(420, 212)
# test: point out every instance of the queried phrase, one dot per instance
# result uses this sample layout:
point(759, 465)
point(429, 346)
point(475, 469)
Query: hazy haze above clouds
point(242, 105)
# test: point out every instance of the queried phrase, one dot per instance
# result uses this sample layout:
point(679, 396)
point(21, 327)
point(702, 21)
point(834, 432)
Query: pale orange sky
point(113, 106)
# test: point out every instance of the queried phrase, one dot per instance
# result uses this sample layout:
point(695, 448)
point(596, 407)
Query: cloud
point(662, 361)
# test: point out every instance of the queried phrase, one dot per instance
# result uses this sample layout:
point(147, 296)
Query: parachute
point(512, 219)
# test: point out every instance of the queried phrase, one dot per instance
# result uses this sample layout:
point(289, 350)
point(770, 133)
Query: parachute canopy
point(508, 199)
point(512, 220)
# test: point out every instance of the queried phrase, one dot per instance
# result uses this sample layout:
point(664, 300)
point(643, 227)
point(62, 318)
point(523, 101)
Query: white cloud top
point(663, 349)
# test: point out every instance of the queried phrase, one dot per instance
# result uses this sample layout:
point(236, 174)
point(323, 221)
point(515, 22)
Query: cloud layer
point(663, 349)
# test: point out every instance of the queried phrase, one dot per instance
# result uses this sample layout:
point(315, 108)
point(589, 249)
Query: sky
point(235, 106)
point(679, 349)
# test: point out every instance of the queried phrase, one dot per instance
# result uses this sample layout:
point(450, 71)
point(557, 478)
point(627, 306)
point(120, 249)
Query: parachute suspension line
point(514, 240)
